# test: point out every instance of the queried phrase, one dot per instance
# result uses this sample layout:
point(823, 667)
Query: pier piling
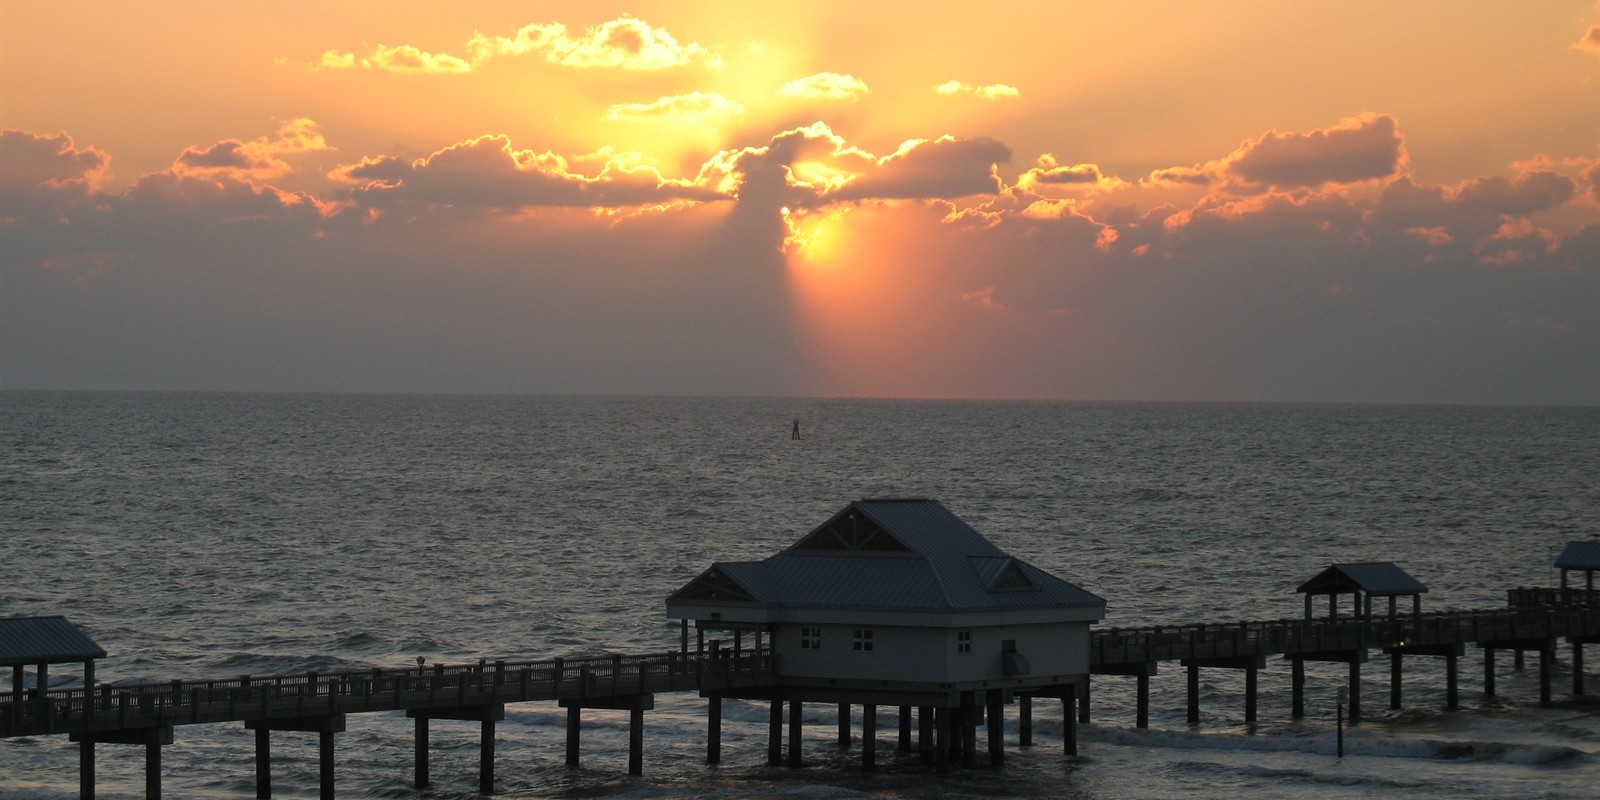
point(869, 737)
point(794, 733)
point(714, 729)
point(775, 733)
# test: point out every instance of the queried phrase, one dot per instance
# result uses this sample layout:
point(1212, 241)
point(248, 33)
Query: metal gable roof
point(44, 640)
point(1373, 577)
point(1579, 555)
point(945, 566)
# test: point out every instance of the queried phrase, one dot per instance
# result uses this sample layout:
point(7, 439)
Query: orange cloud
point(812, 166)
point(1182, 176)
point(984, 299)
point(29, 161)
point(1049, 174)
point(624, 43)
point(1589, 42)
point(826, 86)
point(1475, 209)
point(945, 167)
point(259, 159)
point(692, 107)
point(399, 58)
point(1364, 148)
point(993, 91)
point(488, 173)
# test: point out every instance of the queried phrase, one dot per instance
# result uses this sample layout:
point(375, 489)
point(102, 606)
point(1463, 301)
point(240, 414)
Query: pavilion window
point(964, 643)
point(810, 638)
point(863, 640)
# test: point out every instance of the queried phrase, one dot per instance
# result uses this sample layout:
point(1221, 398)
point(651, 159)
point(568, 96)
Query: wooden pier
point(145, 714)
point(1528, 625)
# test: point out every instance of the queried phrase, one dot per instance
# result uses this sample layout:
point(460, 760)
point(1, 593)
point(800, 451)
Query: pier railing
point(1292, 637)
point(1524, 596)
point(146, 705)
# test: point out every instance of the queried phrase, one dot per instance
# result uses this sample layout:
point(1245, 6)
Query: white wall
point(929, 654)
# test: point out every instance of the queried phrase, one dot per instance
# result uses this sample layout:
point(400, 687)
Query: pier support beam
point(869, 737)
point(1025, 721)
point(941, 741)
point(86, 769)
point(775, 733)
point(1250, 665)
point(904, 744)
point(1450, 652)
point(925, 734)
point(714, 729)
point(1194, 692)
point(574, 736)
point(1544, 647)
point(1297, 688)
point(1352, 657)
point(324, 726)
point(152, 739)
point(1577, 666)
point(1488, 671)
point(795, 709)
point(634, 704)
point(1250, 695)
point(1396, 670)
point(1069, 723)
point(636, 741)
point(1142, 712)
point(485, 715)
point(844, 726)
point(994, 723)
point(969, 730)
point(1547, 657)
point(1452, 693)
point(1355, 692)
point(263, 763)
point(1141, 670)
point(419, 754)
point(1083, 702)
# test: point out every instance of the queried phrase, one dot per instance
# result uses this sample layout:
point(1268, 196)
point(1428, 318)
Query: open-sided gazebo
point(40, 642)
point(1581, 557)
point(1365, 581)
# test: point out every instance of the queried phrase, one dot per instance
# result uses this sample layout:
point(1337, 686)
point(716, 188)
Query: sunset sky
point(1306, 201)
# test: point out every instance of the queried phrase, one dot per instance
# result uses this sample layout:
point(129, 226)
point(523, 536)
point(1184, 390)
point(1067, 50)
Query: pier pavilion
point(1365, 581)
point(896, 603)
point(1581, 557)
point(40, 642)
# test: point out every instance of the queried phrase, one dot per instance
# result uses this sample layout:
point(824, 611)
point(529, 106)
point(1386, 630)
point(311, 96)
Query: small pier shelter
point(898, 602)
point(1581, 557)
point(1365, 581)
point(39, 642)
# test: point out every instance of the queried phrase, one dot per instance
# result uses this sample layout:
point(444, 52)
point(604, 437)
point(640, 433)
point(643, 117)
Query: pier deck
point(145, 713)
point(580, 681)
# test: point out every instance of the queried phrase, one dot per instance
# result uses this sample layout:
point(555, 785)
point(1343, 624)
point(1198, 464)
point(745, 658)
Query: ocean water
point(213, 535)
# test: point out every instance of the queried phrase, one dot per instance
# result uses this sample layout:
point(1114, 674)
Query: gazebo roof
point(905, 555)
point(1379, 578)
point(1579, 556)
point(44, 640)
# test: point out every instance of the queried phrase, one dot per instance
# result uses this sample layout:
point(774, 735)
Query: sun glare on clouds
point(917, 209)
